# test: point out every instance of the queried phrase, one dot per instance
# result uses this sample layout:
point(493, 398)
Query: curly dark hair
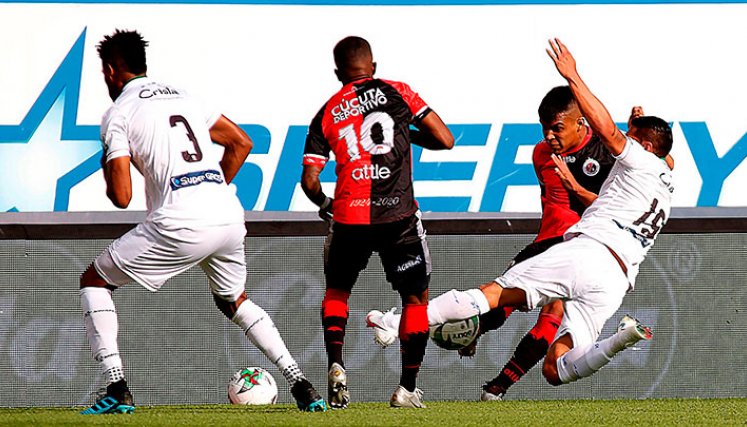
point(124, 49)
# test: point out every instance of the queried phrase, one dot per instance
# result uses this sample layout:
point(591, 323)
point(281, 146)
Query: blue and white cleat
point(117, 399)
point(307, 398)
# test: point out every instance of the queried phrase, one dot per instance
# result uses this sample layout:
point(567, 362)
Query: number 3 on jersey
point(376, 135)
point(186, 155)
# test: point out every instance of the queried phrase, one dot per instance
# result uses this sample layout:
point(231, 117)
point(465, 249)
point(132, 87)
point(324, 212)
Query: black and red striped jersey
point(589, 163)
point(366, 125)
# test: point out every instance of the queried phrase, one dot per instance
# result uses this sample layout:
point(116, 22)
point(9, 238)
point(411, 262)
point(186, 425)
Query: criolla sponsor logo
point(409, 264)
point(195, 178)
point(149, 92)
point(371, 172)
point(364, 102)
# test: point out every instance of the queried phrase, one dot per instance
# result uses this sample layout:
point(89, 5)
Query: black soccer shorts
point(402, 248)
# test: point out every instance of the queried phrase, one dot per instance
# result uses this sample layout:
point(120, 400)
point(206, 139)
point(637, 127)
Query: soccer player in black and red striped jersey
point(366, 124)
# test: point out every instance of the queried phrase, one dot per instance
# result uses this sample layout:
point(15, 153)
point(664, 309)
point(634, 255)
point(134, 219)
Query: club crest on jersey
point(590, 167)
point(357, 106)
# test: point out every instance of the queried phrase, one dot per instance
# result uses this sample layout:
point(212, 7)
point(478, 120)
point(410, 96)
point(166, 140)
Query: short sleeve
point(114, 135)
point(417, 106)
point(316, 151)
point(634, 155)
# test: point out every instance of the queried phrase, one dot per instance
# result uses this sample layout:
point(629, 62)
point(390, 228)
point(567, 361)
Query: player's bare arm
point(432, 133)
point(237, 146)
point(585, 196)
point(311, 185)
point(591, 107)
point(118, 181)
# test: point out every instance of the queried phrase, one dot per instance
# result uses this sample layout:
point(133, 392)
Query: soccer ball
point(252, 386)
point(457, 334)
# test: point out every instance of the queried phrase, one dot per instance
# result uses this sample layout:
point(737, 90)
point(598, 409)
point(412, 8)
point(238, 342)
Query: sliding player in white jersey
point(193, 218)
point(597, 264)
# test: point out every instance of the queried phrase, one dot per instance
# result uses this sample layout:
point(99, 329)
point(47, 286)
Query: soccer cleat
point(491, 392)
point(338, 395)
point(117, 399)
point(632, 331)
point(384, 335)
point(307, 399)
point(406, 399)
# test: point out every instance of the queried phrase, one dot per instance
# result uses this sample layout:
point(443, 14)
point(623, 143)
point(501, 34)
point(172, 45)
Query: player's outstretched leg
point(583, 362)
point(531, 349)
point(450, 306)
point(261, 331)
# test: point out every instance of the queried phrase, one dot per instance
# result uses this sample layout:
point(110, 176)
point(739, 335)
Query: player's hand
point(564, 61)
point(325, 210)
point(636, 112)
point(565, 175)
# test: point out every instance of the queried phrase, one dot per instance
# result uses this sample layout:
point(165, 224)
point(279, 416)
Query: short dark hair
point(656, 131)
point(350, 50)
point(558, 100)
point(125, 49)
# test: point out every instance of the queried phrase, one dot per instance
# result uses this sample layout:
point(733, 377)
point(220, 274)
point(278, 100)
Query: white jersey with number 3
point(633, 205)
point(166, 134)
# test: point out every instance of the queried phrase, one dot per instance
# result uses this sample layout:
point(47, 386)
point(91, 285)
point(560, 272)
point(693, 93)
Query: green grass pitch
point(654, 412)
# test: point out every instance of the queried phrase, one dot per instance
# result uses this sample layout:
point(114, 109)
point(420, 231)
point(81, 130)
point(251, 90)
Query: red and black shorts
point(401, 246)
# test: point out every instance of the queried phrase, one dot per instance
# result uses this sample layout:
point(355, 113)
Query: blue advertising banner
point(480, 64)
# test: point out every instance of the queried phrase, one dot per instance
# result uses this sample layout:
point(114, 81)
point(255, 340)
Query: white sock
point(456, 305)
point(583, 362)
point(100, 317)
point(261, 331)
point(452, 305)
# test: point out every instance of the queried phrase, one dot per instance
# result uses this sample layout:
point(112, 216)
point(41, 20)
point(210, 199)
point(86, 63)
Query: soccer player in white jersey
point(597, 264)
point(193, 218)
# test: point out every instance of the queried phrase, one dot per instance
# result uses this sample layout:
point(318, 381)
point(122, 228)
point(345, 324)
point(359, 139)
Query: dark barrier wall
point(179, 349)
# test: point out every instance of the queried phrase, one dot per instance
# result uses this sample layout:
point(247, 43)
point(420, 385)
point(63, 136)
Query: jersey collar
point(587, 138)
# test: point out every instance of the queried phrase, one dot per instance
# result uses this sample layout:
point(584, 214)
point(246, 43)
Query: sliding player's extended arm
point(591, 107)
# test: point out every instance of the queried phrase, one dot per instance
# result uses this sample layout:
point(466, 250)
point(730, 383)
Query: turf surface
point(679, 412)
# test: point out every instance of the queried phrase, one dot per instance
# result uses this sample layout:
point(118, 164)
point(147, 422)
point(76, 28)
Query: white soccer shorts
point(583, 273)
point(149, 256)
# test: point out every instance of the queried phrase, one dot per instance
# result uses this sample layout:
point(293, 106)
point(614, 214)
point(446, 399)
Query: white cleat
point(406, 399)
point(384, 334)
point(338, 395)
point(633, 331)
point(491, 393)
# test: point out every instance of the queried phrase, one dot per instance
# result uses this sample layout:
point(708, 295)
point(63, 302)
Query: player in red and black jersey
point(366, 124)
point(571, 165)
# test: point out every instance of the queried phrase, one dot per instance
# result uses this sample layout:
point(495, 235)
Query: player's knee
point(550, 371)
point(228, 308)
point(92, 278)
point(555, 308)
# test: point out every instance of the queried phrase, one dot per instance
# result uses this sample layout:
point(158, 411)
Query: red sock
point(413, 336)
point(334, 320)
